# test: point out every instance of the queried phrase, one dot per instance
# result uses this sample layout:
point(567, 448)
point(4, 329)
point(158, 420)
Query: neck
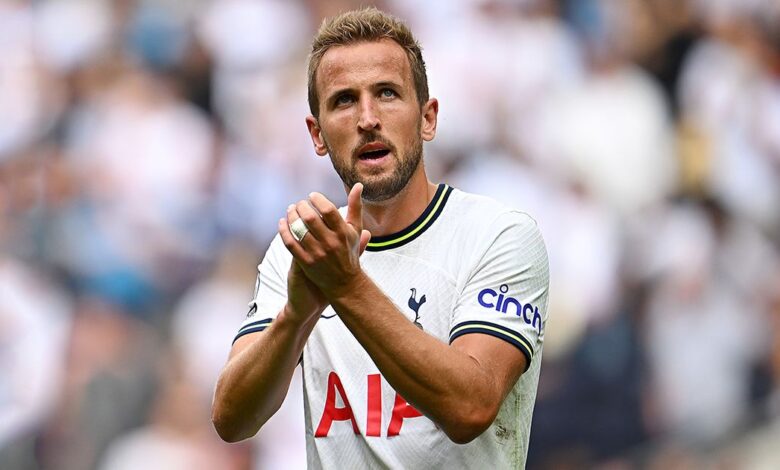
point(398, 212)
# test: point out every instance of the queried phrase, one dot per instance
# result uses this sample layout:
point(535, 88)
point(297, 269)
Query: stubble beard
point(379, 188)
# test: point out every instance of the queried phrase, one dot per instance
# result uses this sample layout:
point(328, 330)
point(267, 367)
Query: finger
point(355, 207)
point(365, 237)
point(329, 212)
point(312, 219)
point(289, 240)
point(293, 215)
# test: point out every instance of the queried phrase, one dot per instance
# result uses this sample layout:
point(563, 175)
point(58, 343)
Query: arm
point(460, 386)
point(255, 380)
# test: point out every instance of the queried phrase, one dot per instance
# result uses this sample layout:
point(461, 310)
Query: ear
point(316, 136)
point(430, 112)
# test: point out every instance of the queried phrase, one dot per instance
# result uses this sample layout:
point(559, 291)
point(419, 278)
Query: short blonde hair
point(367, 24)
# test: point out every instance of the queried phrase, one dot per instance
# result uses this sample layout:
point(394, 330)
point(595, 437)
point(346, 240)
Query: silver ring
point(299, 229)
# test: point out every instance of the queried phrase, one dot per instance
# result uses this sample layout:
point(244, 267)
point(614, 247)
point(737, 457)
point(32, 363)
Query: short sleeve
point(507, 292)
point(270, 293)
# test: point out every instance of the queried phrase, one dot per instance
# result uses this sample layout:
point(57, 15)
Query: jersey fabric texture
point(467, 265)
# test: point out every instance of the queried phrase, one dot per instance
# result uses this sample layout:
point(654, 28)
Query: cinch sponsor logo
point(489, 298)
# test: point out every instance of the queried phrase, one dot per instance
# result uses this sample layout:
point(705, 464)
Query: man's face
point(370, 122)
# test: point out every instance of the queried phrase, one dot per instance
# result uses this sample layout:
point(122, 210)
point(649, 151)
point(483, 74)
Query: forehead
point(362, 63)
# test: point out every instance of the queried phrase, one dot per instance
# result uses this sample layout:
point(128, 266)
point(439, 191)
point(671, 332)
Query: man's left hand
point(330, 252)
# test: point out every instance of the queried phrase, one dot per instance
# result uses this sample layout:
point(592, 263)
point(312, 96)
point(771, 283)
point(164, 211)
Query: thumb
point(355, 207)
point(365, 237)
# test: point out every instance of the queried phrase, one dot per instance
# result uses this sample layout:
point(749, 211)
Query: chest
point(424, 292)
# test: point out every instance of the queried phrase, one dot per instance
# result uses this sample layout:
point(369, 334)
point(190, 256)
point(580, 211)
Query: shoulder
point(492, 216)
point(499, 235)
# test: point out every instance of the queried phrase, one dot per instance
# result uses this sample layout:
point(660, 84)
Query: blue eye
point(387, 93)
point(343, 99)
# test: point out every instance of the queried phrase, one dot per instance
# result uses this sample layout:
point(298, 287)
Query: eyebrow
point(387, 84)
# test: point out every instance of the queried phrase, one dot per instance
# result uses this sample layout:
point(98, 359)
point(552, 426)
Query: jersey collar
point(428, 217)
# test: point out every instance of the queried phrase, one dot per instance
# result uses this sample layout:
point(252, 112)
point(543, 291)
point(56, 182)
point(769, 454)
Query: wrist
point(293, 328)
point(290, 315)
point(350, 288)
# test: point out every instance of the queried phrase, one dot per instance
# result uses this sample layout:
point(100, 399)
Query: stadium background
point(148, 147)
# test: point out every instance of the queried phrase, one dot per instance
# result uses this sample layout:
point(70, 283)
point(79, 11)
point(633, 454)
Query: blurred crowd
point(147, 148)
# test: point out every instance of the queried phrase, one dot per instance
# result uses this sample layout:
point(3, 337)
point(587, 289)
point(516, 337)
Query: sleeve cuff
point(510, 336)
point(253, 327)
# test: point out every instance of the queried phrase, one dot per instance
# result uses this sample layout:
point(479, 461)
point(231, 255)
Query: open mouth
point(373, 151)
point(374, 154)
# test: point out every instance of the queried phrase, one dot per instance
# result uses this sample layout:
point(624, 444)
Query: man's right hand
point(304, 298)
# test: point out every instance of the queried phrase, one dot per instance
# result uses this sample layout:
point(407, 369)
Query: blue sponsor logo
point(499, 302)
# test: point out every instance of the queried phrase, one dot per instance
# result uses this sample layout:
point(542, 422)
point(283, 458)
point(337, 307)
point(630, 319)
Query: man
point(424, 350)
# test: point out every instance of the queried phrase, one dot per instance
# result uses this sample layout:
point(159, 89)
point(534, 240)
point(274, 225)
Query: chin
point(379, 191)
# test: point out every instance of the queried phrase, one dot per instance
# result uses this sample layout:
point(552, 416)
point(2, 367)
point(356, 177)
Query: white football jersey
point(467, 265)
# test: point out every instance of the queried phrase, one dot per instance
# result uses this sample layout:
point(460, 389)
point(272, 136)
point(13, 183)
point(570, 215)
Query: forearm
point(446, 384)
point(255, 380)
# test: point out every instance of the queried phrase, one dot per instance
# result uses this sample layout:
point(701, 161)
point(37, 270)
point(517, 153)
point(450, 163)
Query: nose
point(368, 119)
